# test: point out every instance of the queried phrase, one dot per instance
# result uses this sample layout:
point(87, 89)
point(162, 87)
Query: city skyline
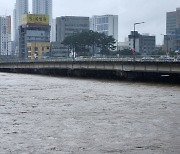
point(155, 21)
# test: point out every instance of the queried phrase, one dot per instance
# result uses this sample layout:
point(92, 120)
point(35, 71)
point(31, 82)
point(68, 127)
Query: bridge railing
point(136, 58)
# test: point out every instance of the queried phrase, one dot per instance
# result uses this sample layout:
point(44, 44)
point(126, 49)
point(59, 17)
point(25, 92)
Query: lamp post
point(134, 39)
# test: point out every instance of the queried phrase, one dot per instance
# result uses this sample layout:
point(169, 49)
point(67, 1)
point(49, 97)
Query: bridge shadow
point(154, 77)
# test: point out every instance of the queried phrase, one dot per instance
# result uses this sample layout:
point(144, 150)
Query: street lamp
point(134, 39)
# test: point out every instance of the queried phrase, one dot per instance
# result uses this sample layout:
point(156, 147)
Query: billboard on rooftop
point(35, 19)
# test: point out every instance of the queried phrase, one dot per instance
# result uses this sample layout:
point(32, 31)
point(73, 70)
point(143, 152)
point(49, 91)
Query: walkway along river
point(55, 115)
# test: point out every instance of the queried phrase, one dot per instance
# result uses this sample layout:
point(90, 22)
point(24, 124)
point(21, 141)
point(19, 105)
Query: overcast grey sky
point(152, 12)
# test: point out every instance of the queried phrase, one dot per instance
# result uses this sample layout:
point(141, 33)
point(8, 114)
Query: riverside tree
point(84, 43)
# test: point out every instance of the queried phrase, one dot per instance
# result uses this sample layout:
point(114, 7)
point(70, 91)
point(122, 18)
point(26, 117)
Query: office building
point(172, 21)
point(5, 36)
point(38, 50)
point(177, 43)
point(172, 37)
point(43, 7)
point(35, 30)
point(172, 42)
point(144, 43)
point(107, 24)
point(59, 50)
point(68, 25)
point(21, 8)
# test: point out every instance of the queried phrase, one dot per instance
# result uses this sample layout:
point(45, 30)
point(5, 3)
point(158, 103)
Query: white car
point(147, 59)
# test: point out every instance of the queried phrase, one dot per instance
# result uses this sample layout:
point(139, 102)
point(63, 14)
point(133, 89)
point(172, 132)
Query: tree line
point(88, 43)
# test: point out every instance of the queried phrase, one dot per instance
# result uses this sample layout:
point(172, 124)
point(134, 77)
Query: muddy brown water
point(54, 115)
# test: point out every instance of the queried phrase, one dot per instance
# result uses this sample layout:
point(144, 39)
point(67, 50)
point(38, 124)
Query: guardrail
point(153, 58)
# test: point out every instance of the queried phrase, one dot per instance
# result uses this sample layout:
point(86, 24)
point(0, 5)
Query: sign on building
point(35, 19)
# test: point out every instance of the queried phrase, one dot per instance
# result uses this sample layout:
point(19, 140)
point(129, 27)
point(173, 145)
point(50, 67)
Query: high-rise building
point(34, 36)
point(107, 24)
point(53, 30)
point(5, 36)
point(21, 7)
point(144, 43)
point(68, 25)
point(172, 21)
point(172, 37)
point(43, 7)
point(15, 29)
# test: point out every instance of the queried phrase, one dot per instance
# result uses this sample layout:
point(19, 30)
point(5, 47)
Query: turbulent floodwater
point(53, 115)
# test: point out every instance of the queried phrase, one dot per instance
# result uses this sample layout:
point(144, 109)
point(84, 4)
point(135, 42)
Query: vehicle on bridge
point(166, 58)
point(178, 58)
point(148, 58)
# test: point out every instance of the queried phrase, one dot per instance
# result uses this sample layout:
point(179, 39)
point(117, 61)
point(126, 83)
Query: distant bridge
point(119, 66)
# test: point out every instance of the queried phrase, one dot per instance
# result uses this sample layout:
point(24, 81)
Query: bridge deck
point(113, 65)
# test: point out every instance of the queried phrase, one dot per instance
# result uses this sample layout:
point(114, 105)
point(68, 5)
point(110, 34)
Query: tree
point(106, 44)
point(82, 42)
point(71, 42)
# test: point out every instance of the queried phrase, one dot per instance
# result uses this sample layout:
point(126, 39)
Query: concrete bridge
point(88, 66)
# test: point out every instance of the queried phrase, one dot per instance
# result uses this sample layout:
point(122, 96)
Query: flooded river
point(54, 115)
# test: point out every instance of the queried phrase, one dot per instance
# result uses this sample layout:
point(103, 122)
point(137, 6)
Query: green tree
point(106, 44)
point(82, 42)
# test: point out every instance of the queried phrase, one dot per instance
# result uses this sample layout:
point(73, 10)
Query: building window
point(35, 48)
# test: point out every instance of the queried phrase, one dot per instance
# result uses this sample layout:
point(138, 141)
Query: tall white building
point(43, 7)
point(5, 35)
point(21, 8)
point(53, 30)
point(107, 24)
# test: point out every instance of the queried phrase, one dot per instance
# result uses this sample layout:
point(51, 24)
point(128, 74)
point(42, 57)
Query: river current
point(55, 115)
